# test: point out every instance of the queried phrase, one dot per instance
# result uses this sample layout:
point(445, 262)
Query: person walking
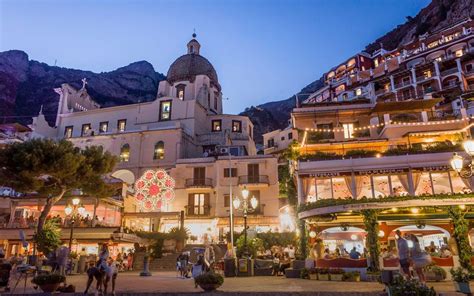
point(403, 253)
point(111, 275)
point(420, 258)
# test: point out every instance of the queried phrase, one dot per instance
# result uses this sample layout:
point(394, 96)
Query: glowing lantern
point(153, 189)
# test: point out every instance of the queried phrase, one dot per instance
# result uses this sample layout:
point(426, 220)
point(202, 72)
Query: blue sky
point(263, 50)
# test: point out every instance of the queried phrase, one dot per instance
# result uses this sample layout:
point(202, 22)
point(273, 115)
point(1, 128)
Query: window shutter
point(207, 204)
point(191, 204)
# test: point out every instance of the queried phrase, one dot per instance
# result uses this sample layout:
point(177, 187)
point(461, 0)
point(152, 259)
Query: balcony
point(253, 179)
point(402, 84)
point(382, 91)
point(449, 72)
point(198, 183)
point(198, 211)
point(424, 78)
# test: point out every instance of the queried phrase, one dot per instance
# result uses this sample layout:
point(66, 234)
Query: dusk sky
point(262, 50)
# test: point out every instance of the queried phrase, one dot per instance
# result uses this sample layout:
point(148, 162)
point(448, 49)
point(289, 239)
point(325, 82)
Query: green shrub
point(49, 238)
point(304, 273)
point(460, 275)
point(400, 287)
point(44, 279)
point(209, 278)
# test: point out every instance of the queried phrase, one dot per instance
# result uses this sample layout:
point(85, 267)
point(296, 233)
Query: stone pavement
point(130, 283)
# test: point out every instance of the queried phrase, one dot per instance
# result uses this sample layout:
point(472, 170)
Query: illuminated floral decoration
point(154, 189)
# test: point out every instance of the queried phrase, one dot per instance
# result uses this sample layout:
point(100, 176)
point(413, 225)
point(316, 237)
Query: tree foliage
point(373, 244)
point(461, 236)
point(52, 169)
point(49, 238)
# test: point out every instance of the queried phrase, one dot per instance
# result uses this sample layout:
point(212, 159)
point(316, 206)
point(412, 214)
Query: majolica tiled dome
point(187, 66)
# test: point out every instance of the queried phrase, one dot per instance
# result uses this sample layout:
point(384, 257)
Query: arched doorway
point(125, 175)
point(426, 234)
point(344, 238)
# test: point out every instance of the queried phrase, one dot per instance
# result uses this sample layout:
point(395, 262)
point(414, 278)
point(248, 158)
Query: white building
point(185, 132)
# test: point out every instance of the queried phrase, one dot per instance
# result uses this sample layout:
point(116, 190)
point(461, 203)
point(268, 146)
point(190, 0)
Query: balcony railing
point(403, 84)
point(449, 71)
point(202, 210)
point(423, 78)
point(382, 91)
point(253, 179)
point(198, 182)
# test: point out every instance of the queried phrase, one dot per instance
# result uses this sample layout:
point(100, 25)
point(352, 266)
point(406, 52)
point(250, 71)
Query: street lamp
point(73, 210)
point(245, 206)
point(458, 162)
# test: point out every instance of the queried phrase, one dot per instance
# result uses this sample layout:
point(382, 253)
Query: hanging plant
point(372, 228)
point(461, 235)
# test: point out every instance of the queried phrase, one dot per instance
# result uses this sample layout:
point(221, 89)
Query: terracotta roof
point(187, 66)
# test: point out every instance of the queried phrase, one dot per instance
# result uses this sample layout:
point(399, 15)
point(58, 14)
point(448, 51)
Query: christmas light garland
point(154, 189)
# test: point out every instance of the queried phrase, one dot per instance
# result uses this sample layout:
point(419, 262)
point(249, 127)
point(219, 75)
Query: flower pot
point(323, 277)
point(313, 276)
point(356, 278)
point(209, 287)
point(49, 288)
point(336, 277)
point(462, 287)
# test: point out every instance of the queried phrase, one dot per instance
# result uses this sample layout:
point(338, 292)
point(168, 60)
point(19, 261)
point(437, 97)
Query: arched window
point(180, 88)
point(125, 153)
point(159, 152)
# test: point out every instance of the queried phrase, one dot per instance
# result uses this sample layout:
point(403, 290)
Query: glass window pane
point(323, 188)
point(400, 185)
point(459, 185)
point(381, 186)
point(340, 189)
point(441, 183)
point(422, 183)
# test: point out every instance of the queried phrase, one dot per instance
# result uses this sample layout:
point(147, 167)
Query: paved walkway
point(167, 282)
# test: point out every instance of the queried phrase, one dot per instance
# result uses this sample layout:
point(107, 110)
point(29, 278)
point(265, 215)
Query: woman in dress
point(420, 258)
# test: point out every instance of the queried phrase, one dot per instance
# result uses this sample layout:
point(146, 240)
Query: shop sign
point(442, 168)
point(382, 172)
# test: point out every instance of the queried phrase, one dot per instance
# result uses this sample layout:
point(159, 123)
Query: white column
point(424, 116)
point(411, 185)
point(413, 75)
point(386, 119)
point(299, 187)
point(392, 83)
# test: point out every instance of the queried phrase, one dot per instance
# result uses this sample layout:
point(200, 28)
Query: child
point(93, 272)
point(111, 273)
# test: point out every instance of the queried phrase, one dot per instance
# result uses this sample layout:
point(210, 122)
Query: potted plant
point(336, 274)
point(399, 287)
point(323, 274)
point(461, 280)
point(48, 282)
point(351, 276)
point(313, 273)
point(209, 281)
point(304, 273)
point(434, 273)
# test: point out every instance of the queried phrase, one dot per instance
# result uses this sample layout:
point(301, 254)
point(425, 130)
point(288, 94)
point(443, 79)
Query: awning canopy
point(404, 106)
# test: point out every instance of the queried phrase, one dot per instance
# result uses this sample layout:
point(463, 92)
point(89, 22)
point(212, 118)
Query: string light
point(331, 130)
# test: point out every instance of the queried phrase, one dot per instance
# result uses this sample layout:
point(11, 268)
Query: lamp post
point(245, 206)
point(464, 166)
point(73, 210)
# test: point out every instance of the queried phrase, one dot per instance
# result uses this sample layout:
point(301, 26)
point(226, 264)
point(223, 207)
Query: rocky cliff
point(25, 85)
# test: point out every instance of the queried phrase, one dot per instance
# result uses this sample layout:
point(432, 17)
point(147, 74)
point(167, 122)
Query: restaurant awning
point(404, 106)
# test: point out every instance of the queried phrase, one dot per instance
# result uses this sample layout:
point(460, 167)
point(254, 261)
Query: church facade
point(183, 131)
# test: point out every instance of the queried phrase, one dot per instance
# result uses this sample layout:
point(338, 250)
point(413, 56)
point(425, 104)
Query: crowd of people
point(31, 221)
